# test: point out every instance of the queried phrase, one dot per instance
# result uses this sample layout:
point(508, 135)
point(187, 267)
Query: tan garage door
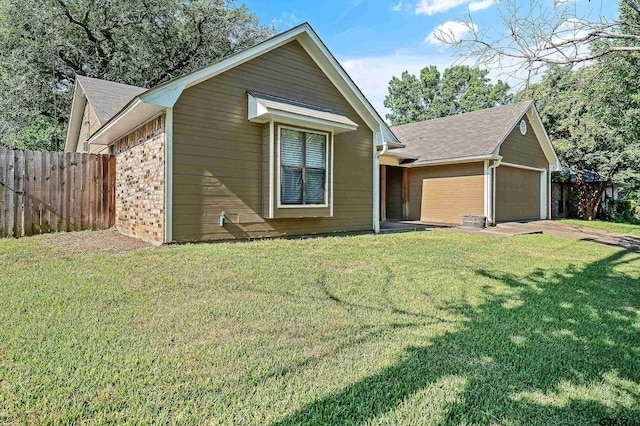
point(447, 199)
point(517, 194)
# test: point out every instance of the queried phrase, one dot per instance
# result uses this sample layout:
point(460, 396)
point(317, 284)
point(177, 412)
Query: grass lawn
point(430, 327)
point(621, 228)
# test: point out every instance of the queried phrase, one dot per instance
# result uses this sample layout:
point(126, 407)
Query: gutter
point(376, 182)
point(492, 168)
point(454, 160)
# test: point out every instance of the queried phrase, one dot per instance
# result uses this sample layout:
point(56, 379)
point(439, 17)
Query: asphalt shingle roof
point(464, 135)
point(107, 98)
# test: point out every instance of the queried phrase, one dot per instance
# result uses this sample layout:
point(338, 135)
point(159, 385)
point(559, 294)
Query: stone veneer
point(140, 165)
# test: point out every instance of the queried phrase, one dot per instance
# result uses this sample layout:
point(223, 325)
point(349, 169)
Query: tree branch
point(87, 30)
point(186, 59)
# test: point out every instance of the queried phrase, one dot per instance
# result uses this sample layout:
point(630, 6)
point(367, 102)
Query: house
point(275, 140)
point(493, 163)
point(564, 200)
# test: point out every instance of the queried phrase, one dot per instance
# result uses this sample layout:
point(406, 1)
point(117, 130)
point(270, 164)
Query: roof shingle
point(464, 135)
point(107, 98)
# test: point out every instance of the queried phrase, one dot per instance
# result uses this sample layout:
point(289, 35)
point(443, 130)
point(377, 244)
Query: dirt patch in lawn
point(109, 241)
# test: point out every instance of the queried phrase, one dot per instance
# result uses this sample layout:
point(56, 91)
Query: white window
point(303, 167)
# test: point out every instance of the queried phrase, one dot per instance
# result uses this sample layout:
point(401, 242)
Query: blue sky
point(377, 39)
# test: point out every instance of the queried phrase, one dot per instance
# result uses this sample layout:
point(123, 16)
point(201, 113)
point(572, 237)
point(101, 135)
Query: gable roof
point(288, 106)
point(472, 135)
point(145, 105)
point(105, 98)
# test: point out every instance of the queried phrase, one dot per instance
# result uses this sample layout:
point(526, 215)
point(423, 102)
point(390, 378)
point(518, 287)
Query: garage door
point(517, 194)
point(447, 199)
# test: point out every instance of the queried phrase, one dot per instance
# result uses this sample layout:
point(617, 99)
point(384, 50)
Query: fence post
point(10, 196)
point(6, 192)
point(18, 193)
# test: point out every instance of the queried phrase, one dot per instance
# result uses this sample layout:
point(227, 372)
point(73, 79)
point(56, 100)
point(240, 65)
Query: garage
point(494, 164)
point(517, 194)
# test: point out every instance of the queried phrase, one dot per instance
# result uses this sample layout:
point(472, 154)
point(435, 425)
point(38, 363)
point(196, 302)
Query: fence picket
point(93, 191)
point(59, 190)
point(45, 216)
point(36, 193)
point(76, 192)
point(68, 179)
point(52, 192)
point(28, 200)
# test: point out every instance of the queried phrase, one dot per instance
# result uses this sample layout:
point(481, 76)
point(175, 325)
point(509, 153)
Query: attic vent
point(523, 127)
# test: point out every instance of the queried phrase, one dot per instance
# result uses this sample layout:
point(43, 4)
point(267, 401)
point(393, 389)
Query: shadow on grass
point(559, 349)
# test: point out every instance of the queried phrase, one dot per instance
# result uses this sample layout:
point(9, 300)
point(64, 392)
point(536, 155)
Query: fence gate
point(43, 192)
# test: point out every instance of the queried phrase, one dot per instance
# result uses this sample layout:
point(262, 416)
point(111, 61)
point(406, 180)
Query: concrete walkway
point(392, 226)
point(560, 229)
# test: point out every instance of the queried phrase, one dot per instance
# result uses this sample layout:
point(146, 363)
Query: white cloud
point(286, 21)
point(431, 7)
point(449, 30)
point(402, 6)
point(480, 5)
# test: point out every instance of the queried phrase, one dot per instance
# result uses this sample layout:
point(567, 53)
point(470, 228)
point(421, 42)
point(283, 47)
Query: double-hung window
point(303, 167)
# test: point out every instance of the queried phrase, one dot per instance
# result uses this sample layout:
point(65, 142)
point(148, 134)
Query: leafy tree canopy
point(432, 95)
point(592, 114)
point(45, 44)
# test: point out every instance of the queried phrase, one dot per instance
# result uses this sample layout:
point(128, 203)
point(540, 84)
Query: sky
point(375, 40)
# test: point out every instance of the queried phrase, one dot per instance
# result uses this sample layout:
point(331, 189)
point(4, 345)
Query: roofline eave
point(166, 94)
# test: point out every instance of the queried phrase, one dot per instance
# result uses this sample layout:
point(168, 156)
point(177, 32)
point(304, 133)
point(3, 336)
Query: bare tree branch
point(535, 36)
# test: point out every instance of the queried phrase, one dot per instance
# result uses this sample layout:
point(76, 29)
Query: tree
point(590, 132)
point(45, 44)
point(459, 89)
point(535, 36)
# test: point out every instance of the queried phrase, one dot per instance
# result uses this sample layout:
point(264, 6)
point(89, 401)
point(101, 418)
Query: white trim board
point(487, 190)
point(168, 176)
point(473, 159)
point(520, 166)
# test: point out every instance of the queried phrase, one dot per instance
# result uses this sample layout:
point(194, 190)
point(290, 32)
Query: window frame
point(328, 169)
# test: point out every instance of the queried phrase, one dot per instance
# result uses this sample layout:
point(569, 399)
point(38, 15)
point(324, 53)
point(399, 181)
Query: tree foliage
point(45, 44)
point(592, 115)
point(432, 95)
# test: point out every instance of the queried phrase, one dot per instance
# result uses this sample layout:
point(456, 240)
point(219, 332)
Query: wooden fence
point(43, 192)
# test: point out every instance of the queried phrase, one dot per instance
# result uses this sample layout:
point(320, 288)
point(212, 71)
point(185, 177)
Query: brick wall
point(140, 161)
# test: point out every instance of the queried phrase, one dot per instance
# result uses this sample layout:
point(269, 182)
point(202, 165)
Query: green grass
point(621, 228)
point(415, 328)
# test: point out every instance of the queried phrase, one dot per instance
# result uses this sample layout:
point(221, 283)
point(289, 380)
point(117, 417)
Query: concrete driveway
point(560, 229)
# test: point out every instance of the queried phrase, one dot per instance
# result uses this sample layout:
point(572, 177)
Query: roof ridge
point(85, 77)
point(483, 110)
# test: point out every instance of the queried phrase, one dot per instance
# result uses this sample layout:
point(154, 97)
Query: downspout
point(492, 213)
point(376, 184)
